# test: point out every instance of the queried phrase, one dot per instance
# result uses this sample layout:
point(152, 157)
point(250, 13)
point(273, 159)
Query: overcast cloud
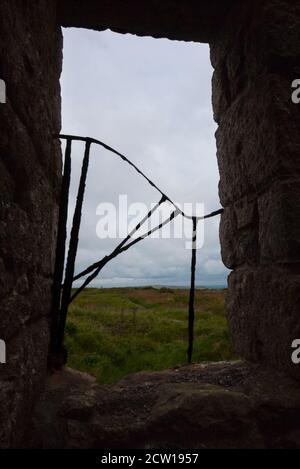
point(150, 99)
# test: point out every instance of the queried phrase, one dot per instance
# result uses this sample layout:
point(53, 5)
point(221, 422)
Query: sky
point(151, 100)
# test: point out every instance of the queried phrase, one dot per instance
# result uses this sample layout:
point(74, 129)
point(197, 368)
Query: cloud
point(214, 267)
point(151, 99)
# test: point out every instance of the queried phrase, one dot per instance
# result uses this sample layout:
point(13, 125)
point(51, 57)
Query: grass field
point(113, 332)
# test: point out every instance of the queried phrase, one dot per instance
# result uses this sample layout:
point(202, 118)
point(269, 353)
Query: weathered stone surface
point(22, 381)
point(263, 304)
point(217, 405)
point(258, 36)
point(239, 234)
point(255, 62)
point(30, 166)
point(192, 20)
point(273, 39)
point(204, 413)
point(221, 98)
point(279, 228)
point(254, 141)
point(255, 51)
point(79, 406)
point(256, 58)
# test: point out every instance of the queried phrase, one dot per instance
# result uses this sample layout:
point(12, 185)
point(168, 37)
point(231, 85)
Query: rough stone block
point(264, 318)
point(30, 168)
point(22, 381)
point(239, 234)
point(221, 98)
point(257, 35)
point(189, 21)
point(279, 229)
point(257, 139)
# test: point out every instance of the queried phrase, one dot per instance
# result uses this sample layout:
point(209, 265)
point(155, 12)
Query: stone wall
point(188, 20)
point(256, 57)
point(30, 164)
point(255, 51)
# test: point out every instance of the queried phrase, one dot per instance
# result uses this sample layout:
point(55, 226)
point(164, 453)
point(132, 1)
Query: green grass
point(113, 332)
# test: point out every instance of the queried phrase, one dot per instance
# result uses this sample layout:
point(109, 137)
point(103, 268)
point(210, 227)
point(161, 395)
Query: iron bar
point(127, 160)
point(99, 265)
point(60, 302)
point(192, 293)
point(73, 246)
point(60, 246)
point(138, 226)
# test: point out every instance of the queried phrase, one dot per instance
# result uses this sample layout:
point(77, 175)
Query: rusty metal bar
point(60, 246)
point(192, 293)
point(121, 248)
point(70, 267)
point(122, 243)
point(61, 301)
point(127, 160)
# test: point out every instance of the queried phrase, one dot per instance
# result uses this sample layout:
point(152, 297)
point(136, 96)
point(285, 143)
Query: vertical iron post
point(60, 246)
point(67, 287)
point(192, 293)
